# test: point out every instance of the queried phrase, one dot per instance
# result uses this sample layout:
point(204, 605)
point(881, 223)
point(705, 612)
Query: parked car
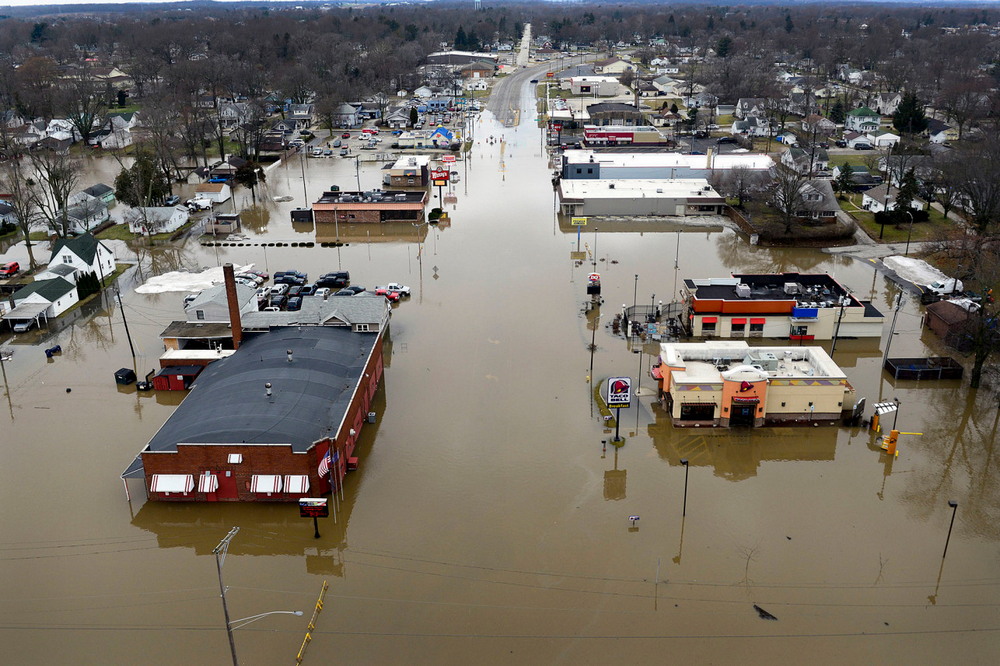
point(337, 143)
point(308, 290)
point(345, 135)
point(343, 292)
point(198, 204)
point(263, 294)
point(317, 152)
point(328, 153)
point(294, 303)
point(355, 288)
point(246, 282)
point(393, 286)
point(862, 146)
point(331, 282)
point(10, 269)
point(295, 290)
point(337, 274)
point(279, 289)
point(290, 280)
point(253, 277)
point(344, 152)
point(322, 292)
point(261, 274)
point(279, 301)
point(172, 200)
point(23, 326)
point(726, 139)
point(840, 143)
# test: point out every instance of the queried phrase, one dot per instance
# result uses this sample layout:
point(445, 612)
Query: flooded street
point(485, 523)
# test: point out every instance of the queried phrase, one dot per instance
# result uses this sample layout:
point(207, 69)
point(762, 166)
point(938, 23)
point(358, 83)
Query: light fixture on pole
point(954, 507)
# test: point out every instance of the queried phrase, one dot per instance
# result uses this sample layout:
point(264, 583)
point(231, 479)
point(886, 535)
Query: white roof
point(637, 189)
point(755, 161)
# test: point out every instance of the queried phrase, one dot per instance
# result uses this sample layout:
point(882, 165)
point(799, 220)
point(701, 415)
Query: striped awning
point(296, 484)
point(885, 407)
point(208, 483)
point(265, 483)
point(172, 483)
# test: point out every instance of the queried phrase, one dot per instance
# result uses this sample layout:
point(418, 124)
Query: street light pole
point(906, 253)
point(635, 293)
point(684, 511)
point(954, 507)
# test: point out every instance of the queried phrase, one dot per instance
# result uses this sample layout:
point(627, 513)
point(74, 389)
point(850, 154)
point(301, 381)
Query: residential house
point(48, 298)
point(751, 126)
point(860, 176)
point(214, 192)
point(301, 116)
point(102, 192)
point(369, 110)
point(797, 306)
point(806, 162)
point(666, 84)
point(61, 129)
point(700, 99)
point(233, 114)
point(85, 213)
point(883, 198)
point(747, 107)
point(57, 146)
point(85, 254)
point(801, 103)
point(115, 133)
point(397, 117)
point(157, 219)
point(28, 134)
point(7, 215)
point(818, 124)
point(939, 132)
point(819, 203)
point(475, 84)
point(613, 67)
point(886, 103)
point(862, 120)
point(423, 92)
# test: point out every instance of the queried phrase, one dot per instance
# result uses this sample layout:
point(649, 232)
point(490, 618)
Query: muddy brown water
point(486, 524)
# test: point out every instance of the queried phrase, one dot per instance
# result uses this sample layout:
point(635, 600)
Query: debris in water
point(764, 615)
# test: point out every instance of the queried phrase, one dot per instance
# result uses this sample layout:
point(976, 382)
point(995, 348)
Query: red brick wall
point(275, 459)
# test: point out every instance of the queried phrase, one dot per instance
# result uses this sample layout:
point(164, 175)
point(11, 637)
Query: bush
point(435, 214)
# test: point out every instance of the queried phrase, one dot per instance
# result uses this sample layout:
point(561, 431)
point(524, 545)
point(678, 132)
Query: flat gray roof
point(228, 403)
point(364, 308)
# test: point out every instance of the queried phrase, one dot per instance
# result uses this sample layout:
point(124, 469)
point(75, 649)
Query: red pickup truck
point(10, 269)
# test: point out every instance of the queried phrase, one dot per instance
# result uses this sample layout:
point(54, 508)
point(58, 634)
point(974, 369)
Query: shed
point(176, 377)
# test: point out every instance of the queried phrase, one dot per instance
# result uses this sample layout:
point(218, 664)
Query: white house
point(862, 120)
point(233, 114)
point(85, 213)
point(71, 257)
point(214, 192)
point(883, 198)
point(55, 296)
point(751, 126)
point(853, 139)
point(156, 220)
point(887, 103)
point(7, 215)
point(882, 139)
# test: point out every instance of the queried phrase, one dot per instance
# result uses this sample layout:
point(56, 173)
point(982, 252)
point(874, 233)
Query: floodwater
point(486, 524)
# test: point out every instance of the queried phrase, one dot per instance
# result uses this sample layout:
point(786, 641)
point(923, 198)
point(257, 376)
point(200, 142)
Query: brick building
point(376, 206)
point(264, 423)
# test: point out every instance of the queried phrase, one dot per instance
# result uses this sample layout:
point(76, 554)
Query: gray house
point(210, 306)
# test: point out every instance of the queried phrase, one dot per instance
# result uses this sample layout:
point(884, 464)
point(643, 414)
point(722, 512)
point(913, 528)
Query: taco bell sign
point(619, 392)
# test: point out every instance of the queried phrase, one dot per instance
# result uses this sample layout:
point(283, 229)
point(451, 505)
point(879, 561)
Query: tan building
point(729, 383)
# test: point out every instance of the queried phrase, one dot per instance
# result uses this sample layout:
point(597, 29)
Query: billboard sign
point(313, 507)
point(440, 174)
point(619, 392)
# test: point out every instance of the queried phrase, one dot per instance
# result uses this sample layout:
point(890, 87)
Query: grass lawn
point(118, 232)
point(853, 160)
point(937, 227)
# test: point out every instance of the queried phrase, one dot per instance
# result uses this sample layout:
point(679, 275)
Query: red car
point(345, 135)
point(9, 269)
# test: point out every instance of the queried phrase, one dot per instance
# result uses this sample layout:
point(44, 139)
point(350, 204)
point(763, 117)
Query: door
point(227, 486)
point(741, 414)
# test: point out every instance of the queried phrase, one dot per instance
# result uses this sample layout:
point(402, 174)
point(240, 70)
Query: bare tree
point(22, 190)
point(58, 176)
point(786, 195)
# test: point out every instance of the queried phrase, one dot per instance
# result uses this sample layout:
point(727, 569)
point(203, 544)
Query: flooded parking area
point(490, 519)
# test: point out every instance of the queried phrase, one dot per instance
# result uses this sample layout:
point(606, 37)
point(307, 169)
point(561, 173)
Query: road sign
point(557, 127)
point(549, 75)
point(578, 221)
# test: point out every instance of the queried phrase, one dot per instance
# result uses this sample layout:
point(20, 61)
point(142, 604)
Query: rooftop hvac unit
point(743, 290)
point(791, 287)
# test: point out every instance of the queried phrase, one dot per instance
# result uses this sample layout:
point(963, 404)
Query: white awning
point(296, 484)
point(208, 483)
point(172, 483)
point(235, 458)
point(265, 483)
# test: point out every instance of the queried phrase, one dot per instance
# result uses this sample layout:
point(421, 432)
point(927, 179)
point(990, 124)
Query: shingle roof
point(83, 246)
point(51, 290)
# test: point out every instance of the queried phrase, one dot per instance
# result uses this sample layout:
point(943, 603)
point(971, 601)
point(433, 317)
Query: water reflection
point(736, 454)
point(386, 232)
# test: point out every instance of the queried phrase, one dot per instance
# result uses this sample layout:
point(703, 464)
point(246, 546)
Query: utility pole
point(892, 327)
point(124, 321)
point(220, 557)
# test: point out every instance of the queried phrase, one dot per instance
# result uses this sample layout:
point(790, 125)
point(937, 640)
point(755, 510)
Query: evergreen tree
point(844, 183)
point(909, 116)
point(142, 184)
point(838, 113)
point(460, 39)
point(724, 48)
point(904, 197)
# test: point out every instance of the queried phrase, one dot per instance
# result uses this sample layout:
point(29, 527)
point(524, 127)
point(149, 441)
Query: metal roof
point(310, 394)
point(364, 308)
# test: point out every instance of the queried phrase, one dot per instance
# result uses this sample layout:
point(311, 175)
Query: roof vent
point(267, 389)
point(289, 352)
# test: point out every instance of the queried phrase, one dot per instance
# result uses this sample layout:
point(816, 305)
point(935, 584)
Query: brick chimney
point(234, 305)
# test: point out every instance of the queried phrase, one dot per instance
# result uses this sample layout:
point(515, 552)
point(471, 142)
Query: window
point(589, 170)
point(708, 325)
point(799, 330)
point(739, 326)
point(67, 258)
point(199, 314)
point(756, 325)
point(363, 328)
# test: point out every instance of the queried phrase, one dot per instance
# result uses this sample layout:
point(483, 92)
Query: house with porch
point(301, 116)
point(233, 114)
point(883, 198)
point(817, 123)
point(862, 120)
point(156, 219)
point(72, 257)
point(806, 162)
point(751, 126)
